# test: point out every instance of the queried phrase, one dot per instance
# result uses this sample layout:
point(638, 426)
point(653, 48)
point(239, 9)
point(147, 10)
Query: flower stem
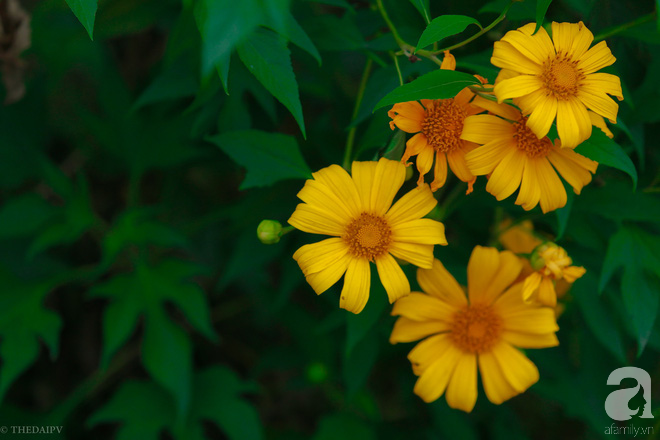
point(475, 36)
point(398, 69)
point(348, 151)
point(623, 27)
point(390, 25)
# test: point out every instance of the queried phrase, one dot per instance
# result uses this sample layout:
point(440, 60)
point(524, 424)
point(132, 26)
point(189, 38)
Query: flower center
point(528, 142)
point(476, 328)
point(561, 77)
point(368, 236)
point(443, 125)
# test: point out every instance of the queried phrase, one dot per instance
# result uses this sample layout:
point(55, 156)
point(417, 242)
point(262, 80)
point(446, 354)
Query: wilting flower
point(483, 329)
point(358, 212)
point(555, 78)
point(438, 124)
point(514, 157)
point(550, 263)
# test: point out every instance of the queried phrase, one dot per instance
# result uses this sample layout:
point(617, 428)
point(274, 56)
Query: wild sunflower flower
point(358, 212)
point(438, 124)
point(550, 263)
point(555, 78)
point(481, 330)
point(514, 157)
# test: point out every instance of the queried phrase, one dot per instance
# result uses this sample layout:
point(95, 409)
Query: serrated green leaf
point(615, 200)
point(607, 152)
point(85, 12)
point(267, 57)
point(439, 84)
point(223, 24)
point(541, 9)
point(287, 26)
point(443, 27)
point(423, 7)
point(268, 157)
point(176, 81)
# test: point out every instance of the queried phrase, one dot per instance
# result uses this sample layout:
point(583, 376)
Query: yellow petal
point(537, 48)
point(424, 163)
point(579, 159)
point(568, 124)
point(483, 160)
point(428, 351)
point(363, 175)
point(388, 178)
point(605, 82)
point(529, 102)
point(504, 110)
point(448, 62)
point(462, 389)
point(553, 194)
point(516, 87)
point(413, 205)
point(573, 173)
point(394, 280)
point(572, 273)
point(422, 231)
point(582, 41)
point(547, 295)
point(507, 272)
point(340, 183)
point(314, 220)
point(519, 371)
point(326, 278)
point(598, 121)
point(530, 320)
point(496, 386)
point(457, 164)
point(543, 116)
point(482, 268)
point(317, 256)
point(507, 57)
point(414, 146)
point(409, 330)
point(530, 191)
point(596, 58)
point(571, 38)
point(526, 340)
point(421, 255)
point(440, 171)
point(407, 124)
point(420, 307)
point(599, 102)
point(355, 293)
point(437, 281)
point(409, 110)
point(507, 176)
point(530, 286)
point(326, 200)
point(482, 129)
point(433, 381)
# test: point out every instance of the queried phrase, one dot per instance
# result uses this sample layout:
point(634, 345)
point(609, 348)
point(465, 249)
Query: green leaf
point(85, 11)
point(359, 363)
point(223, 24)
point(423, 8)
point(176, 81)
point(345, 427)
point(23, 215)
point(268, 157)
point(358, 326)
point(541, 9)
point(439, 84)
point(640, 297)
point(607, 152)
point(443, 27)
point(395, 148)
point(564, 213)
point(267, 57)
point(287, 26)
point(222, 66)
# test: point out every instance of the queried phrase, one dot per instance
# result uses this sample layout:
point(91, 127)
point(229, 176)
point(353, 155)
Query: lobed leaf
point(607, 152)
point(85, 12)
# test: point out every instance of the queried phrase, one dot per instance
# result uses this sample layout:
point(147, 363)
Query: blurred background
point(137, 301)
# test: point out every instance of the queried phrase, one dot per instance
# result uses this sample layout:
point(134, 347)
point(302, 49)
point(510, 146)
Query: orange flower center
point(443, 125)
point(528, 142)
point(561, 77)
point(368, 236)
point(476, 328)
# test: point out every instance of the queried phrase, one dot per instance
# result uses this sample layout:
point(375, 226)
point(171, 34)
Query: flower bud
point(537, 259)
point(269, 231)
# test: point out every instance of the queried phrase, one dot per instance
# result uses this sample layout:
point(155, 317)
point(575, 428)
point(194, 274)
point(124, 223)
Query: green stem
point(618, 29)
point(398, 69)
point(475, 36)
point(390, 25)
point(350, 141)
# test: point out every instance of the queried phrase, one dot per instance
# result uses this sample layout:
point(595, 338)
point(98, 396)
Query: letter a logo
point(616, 404)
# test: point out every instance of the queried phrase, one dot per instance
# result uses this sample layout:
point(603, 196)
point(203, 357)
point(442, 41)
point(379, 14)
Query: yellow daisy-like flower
point(555, 78)
point(514, 157)
point(358, 212)
point(551, 263)
point(438, 124)
point(481, 330)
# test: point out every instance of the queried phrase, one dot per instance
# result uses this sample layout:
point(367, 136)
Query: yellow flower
point(551, 264)
point(480, 330)
point(555, 78)
point(514, 157)
point(438, 124)
point(358, 212)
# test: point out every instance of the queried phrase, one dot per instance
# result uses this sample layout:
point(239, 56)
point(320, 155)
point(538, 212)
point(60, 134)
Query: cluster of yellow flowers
point(511, 299)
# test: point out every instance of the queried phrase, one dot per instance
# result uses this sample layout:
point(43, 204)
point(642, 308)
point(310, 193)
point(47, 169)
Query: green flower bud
point(537, 259)
point(269, 231)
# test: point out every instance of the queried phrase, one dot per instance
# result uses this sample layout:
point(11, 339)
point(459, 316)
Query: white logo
point(616, 404)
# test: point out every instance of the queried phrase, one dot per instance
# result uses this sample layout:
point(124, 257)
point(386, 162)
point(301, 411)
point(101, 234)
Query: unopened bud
point(269, 231)
point(536, 260)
